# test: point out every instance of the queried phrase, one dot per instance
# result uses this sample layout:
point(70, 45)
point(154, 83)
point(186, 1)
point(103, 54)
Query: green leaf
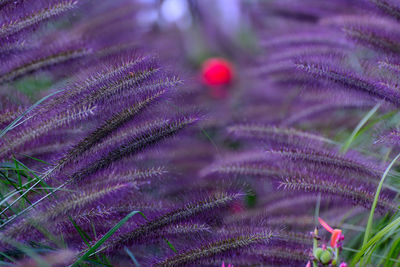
point(18, 121)
point(364, 120)
point(93, 249)
point(393, 253)
point(374, 240)
point(85, 237)
point(36, 159)
point(378, 190)
point(171, 246)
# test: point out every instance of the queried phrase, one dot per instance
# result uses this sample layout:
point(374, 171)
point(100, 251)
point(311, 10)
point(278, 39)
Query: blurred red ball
point(217, 72)
point(237, 207)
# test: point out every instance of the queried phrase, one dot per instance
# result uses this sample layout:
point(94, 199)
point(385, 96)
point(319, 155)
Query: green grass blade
point(93, 249)
point(36, 159)
point(371, 124)
point(170, 245)
point(378, 191)
point(2, 254)
point(378, 236)
point(317, 208)
point(30, 252)
point(16, 189)
point(364, 120)
point(85, 237)
point(373, 255)
point(18, 121)
point(18, 172)
point(29, 207)
point(393, 252)
point(5, 199)
point(130, 254)
point(27, 191)
point(28, 170)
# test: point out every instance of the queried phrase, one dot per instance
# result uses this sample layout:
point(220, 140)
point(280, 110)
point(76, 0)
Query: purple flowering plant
point(115, 150)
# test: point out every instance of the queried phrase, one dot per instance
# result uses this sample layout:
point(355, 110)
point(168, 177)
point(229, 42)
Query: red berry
point(217, 72)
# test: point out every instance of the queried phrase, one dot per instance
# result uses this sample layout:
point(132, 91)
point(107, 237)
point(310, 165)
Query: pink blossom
point(336, 233)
